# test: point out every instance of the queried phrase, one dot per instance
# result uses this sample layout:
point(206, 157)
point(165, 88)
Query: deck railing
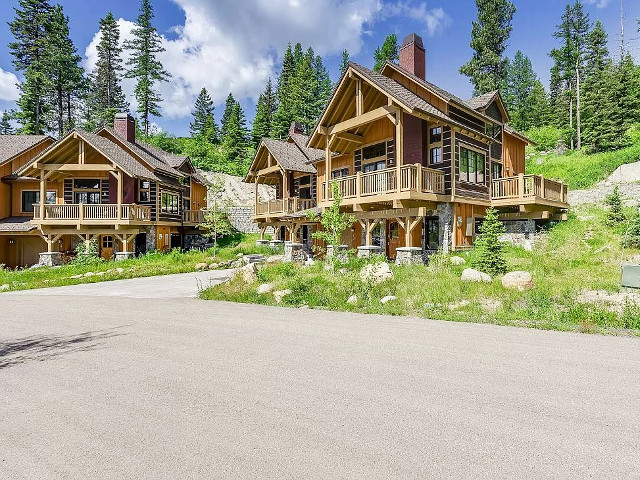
point(284, 206)
point(193, 216)
point(412, 178)
point(528, 186)
point(93, 212)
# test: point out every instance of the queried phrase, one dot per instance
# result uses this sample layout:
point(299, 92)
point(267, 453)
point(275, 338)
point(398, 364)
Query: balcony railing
point(101, 212)
point(193, 216)
point(284, 206)
point(412, 178)
point(528, 187)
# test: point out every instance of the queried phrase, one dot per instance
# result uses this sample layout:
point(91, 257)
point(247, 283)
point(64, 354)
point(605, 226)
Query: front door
point(393, 237)
point(106, 246)
point(431, 234)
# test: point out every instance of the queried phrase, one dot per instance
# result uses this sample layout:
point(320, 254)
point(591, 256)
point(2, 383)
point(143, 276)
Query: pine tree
point(144, 66)
point(615, 215)
point(490, 249)
point(595, 101)
point(65, 73)
point(388, 52)
point(203, 124)
point(344, 62)
point(226, 114)
point(489, 36)
point(30, 51)
point(518, 90)
point(324, 87)
point(265, 111)
point(284, 112)
point(5, 124)
point(235, 138)
point(539, 114)
point(631, 237)
point(106, 97)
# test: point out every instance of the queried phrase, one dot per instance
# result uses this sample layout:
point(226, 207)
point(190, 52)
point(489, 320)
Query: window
point(86, 184)
point(432, 233)
point(496, 170)
point(374, 151)
point(373, 166)
point(435, 135)
point(435, 155)
point(493, 130)
point(435, 145)
point(107, 241)
point(30, 197)
point(91, 198)
point(340, 172)
point(144, 191)
point(471, 166)
point(304, 187)
point(86, 191)
point(170, 203)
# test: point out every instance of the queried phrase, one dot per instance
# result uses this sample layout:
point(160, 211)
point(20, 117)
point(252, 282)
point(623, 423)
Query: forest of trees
point(592, 101)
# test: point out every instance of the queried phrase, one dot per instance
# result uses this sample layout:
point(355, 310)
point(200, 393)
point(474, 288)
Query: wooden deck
point(528, 189)
point(87, 214)
point(283, 206)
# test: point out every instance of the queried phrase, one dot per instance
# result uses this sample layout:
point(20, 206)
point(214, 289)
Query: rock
point(376, 273)
point(237, 264)
point(353, 299)
point(120, 270)
point(76, 276)
point(4, 288)
point(458, 305)
point(240, 255)
point(201, 266)
point(265, 288)
point(88, 274)
point(275, 258)
point(213, 266)
point(248, 273)
point(100, 274)
point(471, 275)
point(519, 280)
point(343, 271)
point(280, 294)
point(304, 307)
point(387, 299)
point(455, 260)
point(309, 262)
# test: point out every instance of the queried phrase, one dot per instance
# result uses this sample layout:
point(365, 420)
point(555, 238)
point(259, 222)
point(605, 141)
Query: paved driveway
point(100, 387)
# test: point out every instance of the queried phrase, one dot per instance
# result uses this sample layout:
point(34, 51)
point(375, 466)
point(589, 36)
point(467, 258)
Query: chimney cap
point(123, 115)
point(296, 127)
point(413, 38)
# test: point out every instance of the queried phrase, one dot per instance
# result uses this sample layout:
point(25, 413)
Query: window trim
point(37, 192)
point(141, 189)
point(172, 211)
point(477, 150)
point(435, 145)
point(363, 162)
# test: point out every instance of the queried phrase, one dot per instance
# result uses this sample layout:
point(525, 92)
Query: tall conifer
point(265, 111)
point(203, 124)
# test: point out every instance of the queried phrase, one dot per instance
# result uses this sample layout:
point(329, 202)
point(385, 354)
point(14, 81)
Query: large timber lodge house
point(416, 165)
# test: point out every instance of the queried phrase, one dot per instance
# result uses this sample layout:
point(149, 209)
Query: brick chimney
point(296, 127)
point(412, 55)
point(125, 127)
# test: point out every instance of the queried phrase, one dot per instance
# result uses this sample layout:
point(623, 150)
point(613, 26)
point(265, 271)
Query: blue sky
point(236, 45)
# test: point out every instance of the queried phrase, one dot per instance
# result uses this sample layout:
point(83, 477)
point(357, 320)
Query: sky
point(237, 45)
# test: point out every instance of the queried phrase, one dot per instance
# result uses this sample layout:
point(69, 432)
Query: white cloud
point(234, 45)
point(598, 3)
point(8, 88)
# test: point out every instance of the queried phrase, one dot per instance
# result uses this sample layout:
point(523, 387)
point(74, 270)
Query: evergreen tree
point(324, 87)
point(226, 114)
point(490, 249)
point(595, 101)
point(304, 91)
point(235, 138)
point(489, 36)
point(144, 66)
point(632, 235)
point(518, 90)
point(344, 62)
point(284, 112)
point(388, 52)
point(106, 97)
point(265, 111)
point(615, 215)
point(539, 114)
point(203, 124)
point(30, 51)
point(5, 124)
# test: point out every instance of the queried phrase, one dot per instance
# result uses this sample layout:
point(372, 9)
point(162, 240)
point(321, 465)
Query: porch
point(283, 206)
point(193, 217)
point(528, 189)
point(90, 214)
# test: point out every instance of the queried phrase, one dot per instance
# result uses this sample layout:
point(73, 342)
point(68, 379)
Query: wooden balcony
point(193, 217)
point(283, 206)
point(407, 182)
point(528, 189)
point(100, 214)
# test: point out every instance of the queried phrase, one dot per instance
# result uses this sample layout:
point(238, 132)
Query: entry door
point(393, 238)
point(106, 246)
point(431, 233)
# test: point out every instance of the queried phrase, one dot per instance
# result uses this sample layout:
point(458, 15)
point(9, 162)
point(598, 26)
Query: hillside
point(238, 192)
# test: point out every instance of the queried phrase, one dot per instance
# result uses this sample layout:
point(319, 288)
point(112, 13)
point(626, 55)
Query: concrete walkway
point(180, 285)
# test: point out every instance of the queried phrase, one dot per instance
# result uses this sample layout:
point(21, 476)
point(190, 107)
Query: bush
point(632, 236)
point(489, 248)
point(546, 138)
point(87, 254)
point(633, 134)
point(615, 215)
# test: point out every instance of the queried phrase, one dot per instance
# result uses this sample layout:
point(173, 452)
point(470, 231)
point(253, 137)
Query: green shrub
point(615, 215)
point(632, 235)
point(633, 134)
point(546, 138)
point(87, 254)
point(489, 248)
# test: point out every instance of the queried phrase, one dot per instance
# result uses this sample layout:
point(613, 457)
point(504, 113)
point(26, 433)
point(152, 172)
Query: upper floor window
point(496, 170)
point(340, 172)
point(304, 187)
point(381, 152)
point(435, 134)
point(435, 155)
point(435, 145)
point(170, 203)
point(31, 197)
point(494, 131)
point(472, 164)
point(144, 191)
point(86, 190)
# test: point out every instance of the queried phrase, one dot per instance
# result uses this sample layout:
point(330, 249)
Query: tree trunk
point(60, 112)
point(578, 124)
point(571, 118)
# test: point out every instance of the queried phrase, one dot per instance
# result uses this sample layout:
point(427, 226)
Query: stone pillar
point(342, 249)
point(50, 259)
point(151, 239)
point(276, 244)
point(445, 219)
point(262, 243)
point(119, 256)
point(409, 256)
point(293, 252)
point(366, 251)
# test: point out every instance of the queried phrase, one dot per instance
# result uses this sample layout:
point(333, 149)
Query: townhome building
point(416, 165)
point(109, 187)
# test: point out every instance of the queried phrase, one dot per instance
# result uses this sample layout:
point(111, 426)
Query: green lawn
point(580, 254)
point(579, 170)
point(154, 263)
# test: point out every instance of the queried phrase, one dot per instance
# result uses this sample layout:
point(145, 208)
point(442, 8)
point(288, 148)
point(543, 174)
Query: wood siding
point(513, 155)
point(468, 189)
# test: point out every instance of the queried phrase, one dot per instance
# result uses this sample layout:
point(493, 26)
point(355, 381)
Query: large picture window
point(374, 157)
point(170, 203)
point(472, 165)
point(86, 191)
point(31, 197)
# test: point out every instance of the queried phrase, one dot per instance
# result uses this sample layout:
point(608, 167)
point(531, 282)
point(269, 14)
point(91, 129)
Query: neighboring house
point(129, 196)
point(416, 165)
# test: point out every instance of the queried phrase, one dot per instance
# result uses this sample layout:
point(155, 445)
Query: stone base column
point(293, 252)
point(50, 259)
point(262, 243)
point(366, 251)
point(276, 244)
point(409, 256)
point(119, 256)
point(342, 249)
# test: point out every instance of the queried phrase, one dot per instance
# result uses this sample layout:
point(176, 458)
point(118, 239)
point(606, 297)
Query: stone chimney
point(125, 127)
point(296, 127)
point(412, 55)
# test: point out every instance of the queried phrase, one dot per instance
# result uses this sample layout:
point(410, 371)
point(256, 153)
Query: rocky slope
point(238, 192)
point(626, 177)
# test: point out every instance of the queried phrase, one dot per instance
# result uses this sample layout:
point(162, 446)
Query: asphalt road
point(99, 387)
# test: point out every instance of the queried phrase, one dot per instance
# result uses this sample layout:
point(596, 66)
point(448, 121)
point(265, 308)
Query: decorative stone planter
point(366, 251)
point(342, 251)
point(119, 256)
point(262, 243)
point(293, 252)
point(50, 259)
point(276, 244)
point(409, 256)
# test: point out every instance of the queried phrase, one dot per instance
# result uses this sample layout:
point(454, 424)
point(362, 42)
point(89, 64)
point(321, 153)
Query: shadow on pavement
point(48, 347)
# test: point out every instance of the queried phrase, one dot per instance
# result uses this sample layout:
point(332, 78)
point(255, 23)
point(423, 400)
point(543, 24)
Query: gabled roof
point(482, 101)
point(301, 141)
point(511, 131)
point(288, 155)
point(13, 145)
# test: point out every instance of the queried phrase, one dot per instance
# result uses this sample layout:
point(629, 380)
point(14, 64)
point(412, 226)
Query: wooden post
point(49, 244)
point(327, 168)
point(542, 186)
point(120, 188)
point(81, 152)
point(43, 192)
point(358, 184)
point(419, 177)
point(359, 99)
point(399, 151)
point(407, 232)
point(521, 185)
point(368, 233)
point(255, 208)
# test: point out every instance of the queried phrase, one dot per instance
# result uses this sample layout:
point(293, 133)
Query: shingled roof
point(313, 154)
point(288, 155)
point(482, 101)
point(12, 145)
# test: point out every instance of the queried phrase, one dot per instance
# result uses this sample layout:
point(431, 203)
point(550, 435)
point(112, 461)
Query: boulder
point(120, 270)
point(387, 299)
point(248, 273)
point(213, 266)
point(265, 288)
point(455, 260)
point(88, 274)
point(353, 299)
point(4, 288)
point(280, 294)
point(100, 274)
point(376, 273)
point(275, 258)
point(519, 280)
point(201, 266)
point(304, 307)
point(76, 276)
point(471, 275)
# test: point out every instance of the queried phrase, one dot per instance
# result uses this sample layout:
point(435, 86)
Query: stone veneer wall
point(240, 218)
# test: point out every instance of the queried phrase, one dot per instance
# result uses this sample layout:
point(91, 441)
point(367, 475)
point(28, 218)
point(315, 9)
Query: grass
point(579, 170)
point(154, 263)
point(580, 254)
